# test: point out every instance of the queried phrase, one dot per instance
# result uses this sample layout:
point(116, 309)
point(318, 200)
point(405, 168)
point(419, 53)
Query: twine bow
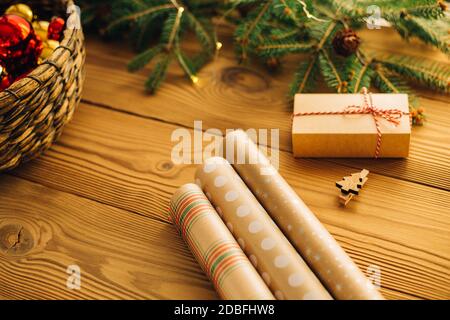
point(391, 115)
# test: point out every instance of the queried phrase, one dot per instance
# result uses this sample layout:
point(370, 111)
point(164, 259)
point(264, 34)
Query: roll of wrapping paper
point(276, 260)
point(214, 247)
point(336, 270)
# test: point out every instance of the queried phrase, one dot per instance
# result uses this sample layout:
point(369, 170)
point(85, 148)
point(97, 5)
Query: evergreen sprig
point(431, 73)
point(306, 77)
point(271, 29)
point(157, 29)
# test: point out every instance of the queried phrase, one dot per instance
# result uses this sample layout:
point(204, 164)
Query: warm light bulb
point(194, 79)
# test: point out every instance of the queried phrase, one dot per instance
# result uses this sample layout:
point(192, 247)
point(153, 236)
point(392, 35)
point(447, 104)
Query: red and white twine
point(392, 115)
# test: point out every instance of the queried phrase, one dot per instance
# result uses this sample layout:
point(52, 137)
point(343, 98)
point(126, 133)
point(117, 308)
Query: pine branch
point(141, 60)
point(433, 10)
point(306, 77)
point(434, 32)
point(385, 81)
point(185, 63)
point(323, 32)
point(158, 73)
point(286, 10)
point(243, 2)
point(142, 18)
point(330, 72)
point(249, 30)
point(319, 60)
point(277, 49)
point(170, 29)
point(271, 29)
point(277, 34)
point(359, 74)
point(357, 10)
point(135, 16)
point(430, 73)
point(203, 33)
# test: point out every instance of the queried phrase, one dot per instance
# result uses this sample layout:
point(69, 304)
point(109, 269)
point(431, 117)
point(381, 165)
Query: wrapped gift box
point(349, 135)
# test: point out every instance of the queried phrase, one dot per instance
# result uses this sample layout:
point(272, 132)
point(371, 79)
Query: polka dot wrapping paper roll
point(214, 247)
point(316, 245)
point(276, 260)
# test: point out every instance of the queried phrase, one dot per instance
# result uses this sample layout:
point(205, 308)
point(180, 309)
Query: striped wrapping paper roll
point(214, 247)
point(323, 254)
point(277, 261)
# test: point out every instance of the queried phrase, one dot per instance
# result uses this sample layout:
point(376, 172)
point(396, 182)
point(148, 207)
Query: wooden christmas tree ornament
point(350, 185)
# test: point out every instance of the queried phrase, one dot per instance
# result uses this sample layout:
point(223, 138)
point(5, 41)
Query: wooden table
point(98, 199)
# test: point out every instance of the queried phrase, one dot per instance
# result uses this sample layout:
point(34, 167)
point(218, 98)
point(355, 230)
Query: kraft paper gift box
point(349, 135)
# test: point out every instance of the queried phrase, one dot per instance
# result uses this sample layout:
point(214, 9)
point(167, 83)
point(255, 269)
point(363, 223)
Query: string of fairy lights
point(218, 45)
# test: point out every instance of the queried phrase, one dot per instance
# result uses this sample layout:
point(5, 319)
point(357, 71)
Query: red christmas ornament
point(56, 28)
point(14, 30)
point(27, 57)
point(20, 48)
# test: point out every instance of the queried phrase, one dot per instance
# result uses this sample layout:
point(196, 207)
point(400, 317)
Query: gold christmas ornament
point(49, 47)
point(21, 10)
point(41, 29)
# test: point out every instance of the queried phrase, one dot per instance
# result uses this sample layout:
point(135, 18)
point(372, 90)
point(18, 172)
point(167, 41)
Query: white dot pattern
point(281, 262)
point(242, 211)
point(267, 249)
point(295, 280)
point(255, 227)
point(231, 196)
point(220, 181)
point(302, 228)
point(267, 244)
point(209, 167)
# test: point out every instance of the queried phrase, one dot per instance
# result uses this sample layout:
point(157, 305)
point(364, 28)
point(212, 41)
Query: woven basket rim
point(27, 85)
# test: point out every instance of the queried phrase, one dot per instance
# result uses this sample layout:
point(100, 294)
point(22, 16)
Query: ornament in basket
point(42, 58)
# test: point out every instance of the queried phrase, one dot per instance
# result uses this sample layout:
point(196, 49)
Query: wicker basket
point(34, 110)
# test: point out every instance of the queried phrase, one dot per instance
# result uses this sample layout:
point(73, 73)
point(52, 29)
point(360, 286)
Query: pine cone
point(346, 42)
point(273, 63)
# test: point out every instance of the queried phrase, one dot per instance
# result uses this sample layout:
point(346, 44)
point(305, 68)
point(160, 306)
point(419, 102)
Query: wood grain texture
point(99, 197)
point(121, 255)
point(124, 161)
point(259, 98)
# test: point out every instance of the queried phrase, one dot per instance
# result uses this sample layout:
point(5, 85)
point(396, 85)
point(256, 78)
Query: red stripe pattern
point(222, 255)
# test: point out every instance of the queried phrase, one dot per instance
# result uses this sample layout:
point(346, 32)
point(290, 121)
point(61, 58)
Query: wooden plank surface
point(259, 98)
point(99, 197)
point(122, 255)
point(108, 157)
